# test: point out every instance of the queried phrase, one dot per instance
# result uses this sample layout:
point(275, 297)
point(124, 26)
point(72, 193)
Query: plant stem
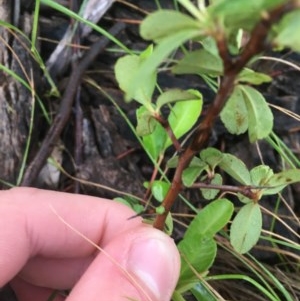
point(165, 124)
point(244, 190)
point(232, 67)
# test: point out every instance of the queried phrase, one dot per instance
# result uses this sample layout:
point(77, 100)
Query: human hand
point(40, 253)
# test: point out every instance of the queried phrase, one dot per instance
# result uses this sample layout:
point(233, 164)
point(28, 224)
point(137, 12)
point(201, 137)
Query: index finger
point(29, 227)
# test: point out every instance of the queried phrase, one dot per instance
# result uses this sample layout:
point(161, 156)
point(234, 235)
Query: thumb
point(140, 265)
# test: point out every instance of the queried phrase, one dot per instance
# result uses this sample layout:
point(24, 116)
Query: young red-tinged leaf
point(260, 117)
point(164, 23)
point(246, 228)
point(183, 116)
point(174, 95)
point(235, 114)
point(236, 169)
point(199, 62)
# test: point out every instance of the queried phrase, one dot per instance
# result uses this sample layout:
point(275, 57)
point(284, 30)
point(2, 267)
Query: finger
point(27, 292)
point(140, 264)
point(29, 227)
point(55, 273)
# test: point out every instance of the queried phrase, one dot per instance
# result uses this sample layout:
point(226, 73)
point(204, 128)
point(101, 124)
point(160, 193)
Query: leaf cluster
point(222, 33)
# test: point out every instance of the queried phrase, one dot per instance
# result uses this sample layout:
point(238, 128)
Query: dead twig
point(64, 111)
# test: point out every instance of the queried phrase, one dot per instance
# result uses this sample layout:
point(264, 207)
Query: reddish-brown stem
point(165, 124)
point(200, 139)
point(232, 66)
point(153, 177)
point(247, 191)
point(175, 188)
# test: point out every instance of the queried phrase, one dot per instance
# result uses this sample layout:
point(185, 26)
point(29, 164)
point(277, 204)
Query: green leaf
point(147, 52)
point(210, 45)
point(243, 198)
point(237, 14)
point(210, 194)
point(145, 122)
point(247, 109)
point(131, 203)
point(200, 255)
point(164, 23)
point(246, 228)
point(174, 95)
point(155, 142)
point(199, 62)
point(183, 116)
point(173, 162)
point(211, 156)
point(235, 168)
point(198, 247)
point(263, 176)
point(260, 117)
point(160, 209)
point(253, 77)
point(260, 175)
point(202, 293)
point(159, 189)
point(191, 173)
point(169, 225)
point(234, 114)
point(161, 51)
point(126, 69)
point(279, 180)
point(288, 31)
point(211, 219)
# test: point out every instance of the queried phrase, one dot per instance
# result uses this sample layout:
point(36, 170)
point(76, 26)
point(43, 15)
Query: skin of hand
point(40, 253)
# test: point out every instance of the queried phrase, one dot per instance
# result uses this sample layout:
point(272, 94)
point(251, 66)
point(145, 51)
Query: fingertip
point(140, 265)
point(154, 260)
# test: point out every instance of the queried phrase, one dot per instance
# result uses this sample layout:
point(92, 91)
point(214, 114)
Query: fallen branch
point(65, 108)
